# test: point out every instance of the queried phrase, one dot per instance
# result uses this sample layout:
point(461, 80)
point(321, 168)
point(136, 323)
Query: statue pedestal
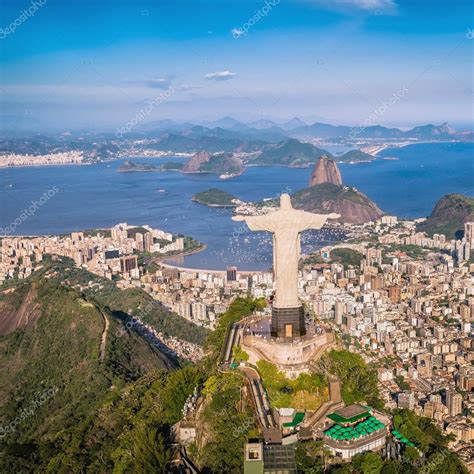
point(288, 323)
point(292, 356)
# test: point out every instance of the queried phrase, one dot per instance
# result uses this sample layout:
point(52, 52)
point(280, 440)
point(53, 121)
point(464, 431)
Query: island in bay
point(131, 167)
point(215, 197)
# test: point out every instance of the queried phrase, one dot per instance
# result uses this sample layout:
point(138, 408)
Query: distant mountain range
point(296, 128)
point(277, 143)
point(290, 152)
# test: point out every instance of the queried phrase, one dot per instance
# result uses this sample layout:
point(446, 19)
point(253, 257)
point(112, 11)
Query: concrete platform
point(292, 357)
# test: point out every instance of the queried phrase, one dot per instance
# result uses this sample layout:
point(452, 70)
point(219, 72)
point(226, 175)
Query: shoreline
point(159, 260)
point(222, 206)
point(385, 146)
point(209, 270)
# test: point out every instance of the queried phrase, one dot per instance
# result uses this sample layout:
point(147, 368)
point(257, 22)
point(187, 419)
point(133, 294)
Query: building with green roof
point(354, 430)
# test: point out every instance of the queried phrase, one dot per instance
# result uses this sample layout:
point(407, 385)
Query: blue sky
point(96, 63)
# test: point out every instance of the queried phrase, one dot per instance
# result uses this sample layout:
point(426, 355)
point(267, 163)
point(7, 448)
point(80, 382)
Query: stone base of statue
point(288, 323)
point(292, 355)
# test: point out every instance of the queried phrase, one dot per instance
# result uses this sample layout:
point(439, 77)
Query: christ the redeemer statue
point(286, 224)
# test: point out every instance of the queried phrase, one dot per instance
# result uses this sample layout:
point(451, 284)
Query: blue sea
point(98, 196)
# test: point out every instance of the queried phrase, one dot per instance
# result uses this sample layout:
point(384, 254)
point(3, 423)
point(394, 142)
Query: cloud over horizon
point(220, 75)
point(163, 83)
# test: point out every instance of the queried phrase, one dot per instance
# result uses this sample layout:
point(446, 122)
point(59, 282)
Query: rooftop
point(345, 433)
point(349, 414)
point(279, 458)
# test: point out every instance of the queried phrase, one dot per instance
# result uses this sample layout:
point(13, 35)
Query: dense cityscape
point(401, 299)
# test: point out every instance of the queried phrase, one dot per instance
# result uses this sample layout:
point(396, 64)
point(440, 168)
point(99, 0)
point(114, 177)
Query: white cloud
point(237, 32)
point(220, 75)
point(370, 4)
point(159, 83)
point(187, 87)
point(367, 5)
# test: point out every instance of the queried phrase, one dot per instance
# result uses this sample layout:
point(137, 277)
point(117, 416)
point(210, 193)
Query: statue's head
point(285, 201)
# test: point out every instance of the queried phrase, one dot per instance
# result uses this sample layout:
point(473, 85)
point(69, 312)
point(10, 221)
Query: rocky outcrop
point(18, 311)
point(225, 164)
point(353, 206)
point(196, 161)
point(325, 171)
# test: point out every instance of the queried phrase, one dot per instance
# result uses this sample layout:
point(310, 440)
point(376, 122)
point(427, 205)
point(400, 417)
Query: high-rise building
point(406, 400)
point(338, 311)
point(463, 250)
point(231, 273)
point(128, 263)
point(454, 402)
point(148, 242)
point(469, 233)
point(79, 258)
point(394, 294)
point(374, 255)
point(140, 241)
point(389, 220)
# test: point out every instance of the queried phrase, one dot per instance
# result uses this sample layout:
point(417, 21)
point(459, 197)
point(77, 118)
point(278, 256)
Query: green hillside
point(124, 303)
point(290, 153)
point(66, 356)
point(449, 215)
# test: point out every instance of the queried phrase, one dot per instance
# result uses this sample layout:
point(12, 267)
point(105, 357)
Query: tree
point(149, 452)
point(411, 454)
point(368, 463)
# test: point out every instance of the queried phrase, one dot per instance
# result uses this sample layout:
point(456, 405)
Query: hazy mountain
point(321, 130)
point(290, 152)
point(213, 142)
point(432, 131)
point(324, 130)
point(293, 123)
point(262, 123)
point(225, 122)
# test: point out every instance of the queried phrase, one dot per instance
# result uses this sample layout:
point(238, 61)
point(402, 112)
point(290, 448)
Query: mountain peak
point(325, 171)
point(295, 122)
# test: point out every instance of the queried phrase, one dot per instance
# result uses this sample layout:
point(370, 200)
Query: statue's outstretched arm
point(315, 221)
point(266, 222)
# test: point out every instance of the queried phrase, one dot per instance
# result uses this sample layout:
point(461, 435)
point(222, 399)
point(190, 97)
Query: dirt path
point(103, 341)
